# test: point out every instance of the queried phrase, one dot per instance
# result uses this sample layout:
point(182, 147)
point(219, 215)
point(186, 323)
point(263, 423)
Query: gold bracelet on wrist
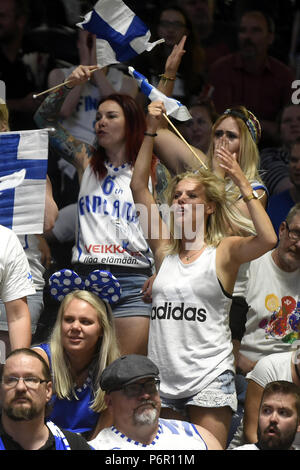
point(166, 79)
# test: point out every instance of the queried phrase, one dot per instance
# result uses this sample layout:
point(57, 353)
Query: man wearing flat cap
point(131, 384)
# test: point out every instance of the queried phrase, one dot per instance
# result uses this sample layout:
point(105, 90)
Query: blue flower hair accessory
point(101, 283)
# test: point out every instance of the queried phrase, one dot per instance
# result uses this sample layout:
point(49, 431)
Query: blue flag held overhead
point(23, 172)
point(120, 34)
point(173, 107)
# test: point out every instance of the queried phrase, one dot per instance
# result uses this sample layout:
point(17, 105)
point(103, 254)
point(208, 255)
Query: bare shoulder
point(210, 440)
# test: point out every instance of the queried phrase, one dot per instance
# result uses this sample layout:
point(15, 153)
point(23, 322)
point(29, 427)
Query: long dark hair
point(135, 126)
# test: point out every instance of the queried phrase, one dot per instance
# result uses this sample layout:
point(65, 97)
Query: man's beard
point(146, 417)
point(21, 412)
point(277, 442)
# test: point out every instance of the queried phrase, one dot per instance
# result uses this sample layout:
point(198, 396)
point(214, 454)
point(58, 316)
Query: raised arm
point(73, 150)
point(167, 81)
point(168, 147)
point(154, 229)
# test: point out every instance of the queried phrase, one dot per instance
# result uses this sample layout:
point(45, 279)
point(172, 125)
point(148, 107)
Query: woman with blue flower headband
point(82, 344)
point(238, 131)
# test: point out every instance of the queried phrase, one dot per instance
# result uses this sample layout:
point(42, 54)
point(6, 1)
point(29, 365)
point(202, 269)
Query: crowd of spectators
point(235, 69)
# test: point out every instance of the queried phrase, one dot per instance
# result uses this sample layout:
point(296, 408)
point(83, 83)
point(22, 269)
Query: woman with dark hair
point(108, 235)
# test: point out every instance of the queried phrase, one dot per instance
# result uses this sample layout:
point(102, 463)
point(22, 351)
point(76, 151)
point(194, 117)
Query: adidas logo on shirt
point(169, 311)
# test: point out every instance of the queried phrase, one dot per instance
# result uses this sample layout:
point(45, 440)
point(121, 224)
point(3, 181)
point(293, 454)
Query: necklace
point(188, 257)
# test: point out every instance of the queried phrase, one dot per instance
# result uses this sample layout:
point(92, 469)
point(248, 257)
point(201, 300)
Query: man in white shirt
point(273, 296)
point(131, 384)
point(15, 285)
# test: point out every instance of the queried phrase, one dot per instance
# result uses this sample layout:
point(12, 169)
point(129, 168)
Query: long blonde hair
point(225, 220)
point(4, 116)
point(248, 157)
point(106, 351)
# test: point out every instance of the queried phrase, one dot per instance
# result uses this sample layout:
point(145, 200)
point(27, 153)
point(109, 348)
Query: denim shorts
point(219, 393)
point(35, 304)
point(131, 303)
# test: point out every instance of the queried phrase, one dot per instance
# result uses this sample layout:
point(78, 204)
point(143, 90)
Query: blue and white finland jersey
point(108, 230)
point(171, 434)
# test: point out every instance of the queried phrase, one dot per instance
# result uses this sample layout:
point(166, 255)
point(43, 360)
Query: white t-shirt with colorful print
point(273, 319)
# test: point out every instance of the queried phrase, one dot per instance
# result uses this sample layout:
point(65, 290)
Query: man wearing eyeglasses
point(131, 384)
point(25, 394)
point(273, 296)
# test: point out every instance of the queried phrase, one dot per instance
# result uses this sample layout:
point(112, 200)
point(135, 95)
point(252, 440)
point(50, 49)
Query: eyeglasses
point(171, 24)
point(136, 389)
point(30, 382)
point(293, 235)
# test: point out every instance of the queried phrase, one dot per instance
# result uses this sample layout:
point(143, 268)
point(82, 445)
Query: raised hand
point(155, 112)
point(228, 162)
point(80, 75)
point(174, 59)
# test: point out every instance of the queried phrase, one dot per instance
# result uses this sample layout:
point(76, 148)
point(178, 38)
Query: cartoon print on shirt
point(284, 323)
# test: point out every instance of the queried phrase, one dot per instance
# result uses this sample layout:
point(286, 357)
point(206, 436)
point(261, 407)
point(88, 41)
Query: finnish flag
point(120, 34)
point(173, 107)
point(23, 172)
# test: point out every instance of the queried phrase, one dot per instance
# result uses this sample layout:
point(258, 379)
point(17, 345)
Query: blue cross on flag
point(120, 34)
point(173, 107)
point(23, 171)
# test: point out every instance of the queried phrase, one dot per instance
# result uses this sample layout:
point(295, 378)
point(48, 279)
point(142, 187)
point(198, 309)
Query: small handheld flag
point(173, 107)
point(120, 34)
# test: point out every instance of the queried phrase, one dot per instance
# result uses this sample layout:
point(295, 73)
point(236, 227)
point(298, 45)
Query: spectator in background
point(273, 297)
point(197, 131)
point(131, 384)
point(278, 366)
point(252, 77)
point(278, 418)
point(213, 35)
point(275, 160)
point(14, 71)
point(81, 345)
point(26, 390)
point(280, 204)
point(172, 25)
